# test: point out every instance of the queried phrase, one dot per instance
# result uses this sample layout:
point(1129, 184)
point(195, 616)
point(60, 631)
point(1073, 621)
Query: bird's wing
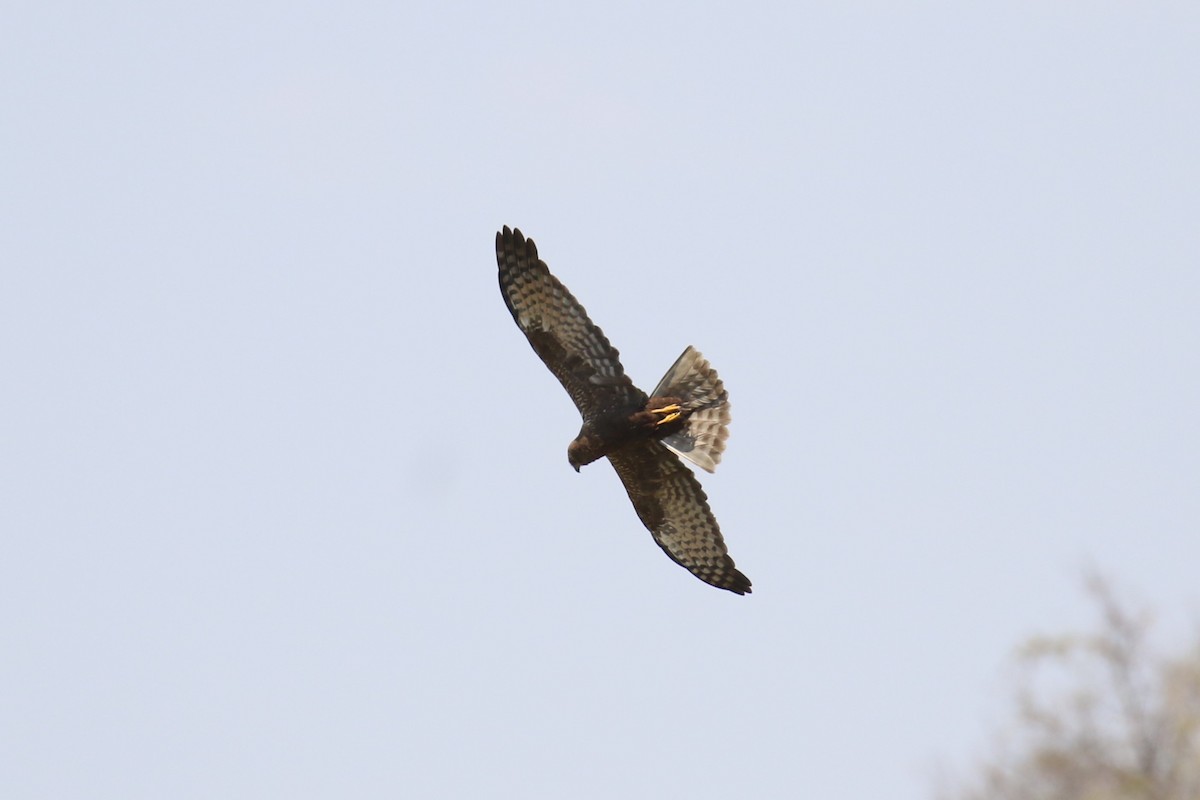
point(671, 504)
point(557, 326)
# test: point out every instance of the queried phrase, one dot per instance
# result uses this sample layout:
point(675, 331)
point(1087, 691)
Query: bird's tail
point(701, 393)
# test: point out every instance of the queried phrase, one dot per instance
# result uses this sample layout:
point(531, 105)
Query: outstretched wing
point(574, 349)
point(671, 504)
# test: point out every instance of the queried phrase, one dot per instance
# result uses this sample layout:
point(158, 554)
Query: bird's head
point(575, 454)
point(583, 450)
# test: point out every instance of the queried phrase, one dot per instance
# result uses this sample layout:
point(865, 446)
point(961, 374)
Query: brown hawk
point(687, 414)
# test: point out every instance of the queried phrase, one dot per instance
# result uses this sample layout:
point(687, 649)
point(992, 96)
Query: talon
point(668, 413)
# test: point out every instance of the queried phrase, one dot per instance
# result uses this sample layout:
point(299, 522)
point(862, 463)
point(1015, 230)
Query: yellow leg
point(669, 413)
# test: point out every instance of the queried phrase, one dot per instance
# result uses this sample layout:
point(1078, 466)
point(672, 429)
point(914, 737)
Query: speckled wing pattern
point(559, 330)
point(671, 504)
point(666, 495)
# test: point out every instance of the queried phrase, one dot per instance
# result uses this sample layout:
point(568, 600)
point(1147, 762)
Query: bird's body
point(654, 418)
point(687, 414)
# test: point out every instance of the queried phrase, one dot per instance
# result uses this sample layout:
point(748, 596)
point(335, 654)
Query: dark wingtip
point(731, 580)
point(738, 584)
point(512, 239)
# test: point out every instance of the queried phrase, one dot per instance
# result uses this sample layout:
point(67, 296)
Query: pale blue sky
point(285, 504)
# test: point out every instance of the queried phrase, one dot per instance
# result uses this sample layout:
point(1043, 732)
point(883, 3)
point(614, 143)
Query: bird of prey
point(642, 437)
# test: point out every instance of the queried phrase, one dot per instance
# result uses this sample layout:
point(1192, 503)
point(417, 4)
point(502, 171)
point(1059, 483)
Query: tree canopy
point(1098, 717)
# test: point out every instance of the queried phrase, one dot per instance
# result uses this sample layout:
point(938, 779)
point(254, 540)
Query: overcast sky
point(284, 499)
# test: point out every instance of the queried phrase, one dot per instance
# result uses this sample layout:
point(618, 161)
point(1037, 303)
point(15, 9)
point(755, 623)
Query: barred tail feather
point(702, 439)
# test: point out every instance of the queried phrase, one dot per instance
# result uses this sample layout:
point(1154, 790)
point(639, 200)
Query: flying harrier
point(686, 415)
